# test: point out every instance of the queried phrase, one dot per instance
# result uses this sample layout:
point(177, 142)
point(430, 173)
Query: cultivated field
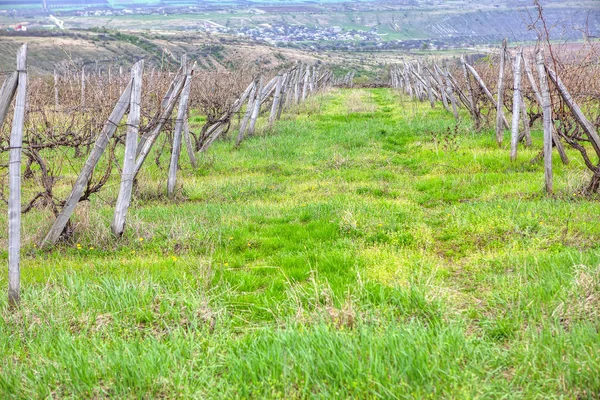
point(368, 246)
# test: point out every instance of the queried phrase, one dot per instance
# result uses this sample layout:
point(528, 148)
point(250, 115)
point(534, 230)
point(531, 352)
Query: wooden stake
point(14, 177)
point(7, 92)
point(256, 107)
point(131, 142)
point(276, 100)
point(545, 92)
point(514, 137)
point(254, 93)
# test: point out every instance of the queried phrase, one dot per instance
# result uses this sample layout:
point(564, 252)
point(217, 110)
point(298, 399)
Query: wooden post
point(285, 88)
point(500, 97)
point(297, 85)
point(305, 86)
point(545, 92)
point(7, 92)
point(256, 107)
point(176, 151)
point(472, 101)
point(107, 133)
point(131, 142)
point(254, 93)
point(276, 100)
point(14, 176)
point(514, 137)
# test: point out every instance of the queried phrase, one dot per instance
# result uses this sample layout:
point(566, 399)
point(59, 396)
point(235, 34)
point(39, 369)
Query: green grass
point(346, 254)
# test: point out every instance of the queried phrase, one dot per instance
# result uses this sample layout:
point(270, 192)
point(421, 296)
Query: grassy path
point(368, 247)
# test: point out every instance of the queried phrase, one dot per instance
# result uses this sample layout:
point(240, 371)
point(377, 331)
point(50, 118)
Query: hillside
point(367, 247)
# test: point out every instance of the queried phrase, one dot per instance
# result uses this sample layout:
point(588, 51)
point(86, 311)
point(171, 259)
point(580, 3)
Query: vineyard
point(246, 232)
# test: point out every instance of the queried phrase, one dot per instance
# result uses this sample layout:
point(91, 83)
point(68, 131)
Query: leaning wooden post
point(294, 94)
point(131, 142)
point(110, 126)
point(256, 107)
point(514, 137)
point(500, 97)
point(7, 92)
point(14, 176)
point(276, 100)
point(305, 86)
point(285, 90)
point(176, 151)
point(249, 108)
point(547, 109)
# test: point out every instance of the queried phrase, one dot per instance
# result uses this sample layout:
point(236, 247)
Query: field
point(366, 247)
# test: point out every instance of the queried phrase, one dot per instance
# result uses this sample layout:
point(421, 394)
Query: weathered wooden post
point(276, 99)
point(546, 106)
point(286, 90)
point(14, 177)
point(7, 92)
point(131, 142)
point(256, 107)
point(514, 137)
point(297, 84)
point(305, 86)
point(500, 97)
point(249, 108)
